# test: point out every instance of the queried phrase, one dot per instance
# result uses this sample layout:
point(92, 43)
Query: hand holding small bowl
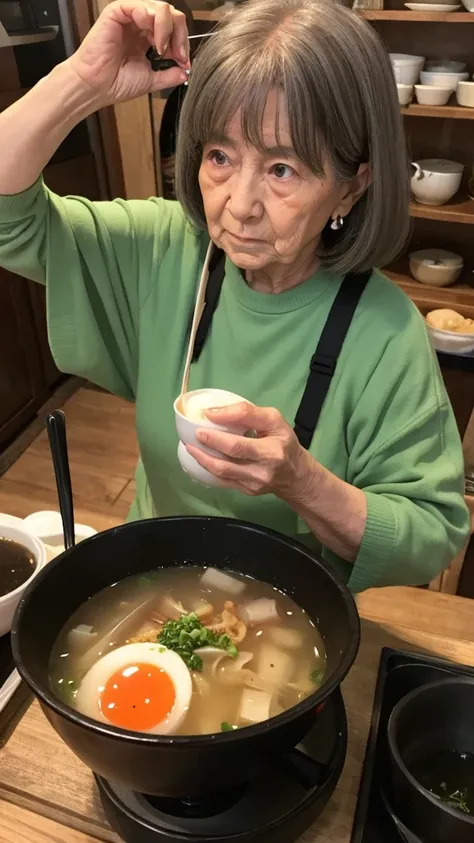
point(271, 461)
point(191, 416)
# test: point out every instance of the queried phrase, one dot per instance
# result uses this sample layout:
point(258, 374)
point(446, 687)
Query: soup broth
point(448, 775)
point(187, 650)
point(17, 564)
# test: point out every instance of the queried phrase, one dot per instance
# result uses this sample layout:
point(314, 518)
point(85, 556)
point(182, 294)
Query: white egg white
point(88, 696)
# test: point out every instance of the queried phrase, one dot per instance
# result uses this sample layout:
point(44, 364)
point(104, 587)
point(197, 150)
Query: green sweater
point(121, 280)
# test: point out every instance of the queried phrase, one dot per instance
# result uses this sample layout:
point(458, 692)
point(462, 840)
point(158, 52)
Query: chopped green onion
point(187, 634)
point(228, 727)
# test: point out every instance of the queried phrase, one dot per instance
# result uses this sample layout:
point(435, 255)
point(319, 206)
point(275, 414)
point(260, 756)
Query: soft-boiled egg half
point(143, 687)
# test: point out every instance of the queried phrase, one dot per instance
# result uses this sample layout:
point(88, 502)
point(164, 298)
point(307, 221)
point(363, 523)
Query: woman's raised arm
point(109, 66)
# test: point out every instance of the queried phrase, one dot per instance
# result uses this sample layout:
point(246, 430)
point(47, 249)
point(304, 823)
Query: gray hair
point(341, 98)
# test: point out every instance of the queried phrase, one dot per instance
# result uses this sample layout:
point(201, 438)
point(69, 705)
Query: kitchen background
point(129, 150)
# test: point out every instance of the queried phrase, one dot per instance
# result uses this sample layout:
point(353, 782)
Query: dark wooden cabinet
point(51, 373)
point(28, 374)
point(22, 377)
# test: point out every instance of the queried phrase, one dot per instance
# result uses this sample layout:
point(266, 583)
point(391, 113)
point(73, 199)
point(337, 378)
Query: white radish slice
point(81, 637)
point(254, 706)
point(212, 578)
point(261, 611)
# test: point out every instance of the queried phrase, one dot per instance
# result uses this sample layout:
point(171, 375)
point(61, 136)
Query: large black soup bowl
point(179, 766)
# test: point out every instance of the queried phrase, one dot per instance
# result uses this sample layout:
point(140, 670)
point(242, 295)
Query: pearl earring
point(337, 223)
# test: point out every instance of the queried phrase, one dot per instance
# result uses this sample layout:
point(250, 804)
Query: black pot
point(434, 718)
point(181, 766)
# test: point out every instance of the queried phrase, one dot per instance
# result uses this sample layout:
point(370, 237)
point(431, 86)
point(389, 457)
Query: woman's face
point(267, 207)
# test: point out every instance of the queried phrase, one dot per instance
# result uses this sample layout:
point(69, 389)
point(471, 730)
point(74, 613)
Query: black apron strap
point(324, 361)
point(211, 300)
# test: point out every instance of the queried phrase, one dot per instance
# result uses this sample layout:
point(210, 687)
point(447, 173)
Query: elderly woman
point(291, 162)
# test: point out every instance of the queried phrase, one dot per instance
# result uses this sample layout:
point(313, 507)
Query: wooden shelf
point(452, 111)
point(460, 295)
point(46, 33)
point(433, 17)
point(212, 15)
point(459, 210)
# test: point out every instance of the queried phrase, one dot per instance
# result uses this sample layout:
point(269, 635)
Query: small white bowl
point(406, 68)
point(443, 80)
point(47, 526)
point(465, 94)
point(431, 95)
point(187, 429)
point(9, 602)
point(451, 342)
point(436, 267)
point(445, 66)
point(469, 4)
point(436, 180)
point(12, 520)
point(405, 93)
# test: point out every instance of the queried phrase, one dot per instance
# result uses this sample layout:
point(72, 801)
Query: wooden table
point(46, 794)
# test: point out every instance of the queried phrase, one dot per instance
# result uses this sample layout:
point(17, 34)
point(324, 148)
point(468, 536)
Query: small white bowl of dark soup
point(22, 555)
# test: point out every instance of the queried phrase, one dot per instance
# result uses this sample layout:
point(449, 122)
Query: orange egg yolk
point(138, 697)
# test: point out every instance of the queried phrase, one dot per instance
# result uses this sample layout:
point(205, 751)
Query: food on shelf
point(450, 320)
point(436, 267)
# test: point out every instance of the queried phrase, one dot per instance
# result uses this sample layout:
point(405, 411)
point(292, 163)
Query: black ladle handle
point(56, 427)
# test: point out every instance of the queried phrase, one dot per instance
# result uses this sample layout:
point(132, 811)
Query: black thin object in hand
point(56, 427)
point(157, 62)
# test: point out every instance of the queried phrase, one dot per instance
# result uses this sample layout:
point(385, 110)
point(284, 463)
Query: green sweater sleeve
point(99, 261)
point(412, 475)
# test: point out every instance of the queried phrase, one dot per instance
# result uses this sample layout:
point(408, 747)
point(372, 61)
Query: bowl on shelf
point(436, 267)
point(432, 7)
point(469, 5)
point(465, 94)
point(405, 93)
point(443, 79)
point(432, 95)
point(450, 331)
point(406, 68)
point(435, 180)
point(451, 343)
point(445, 66)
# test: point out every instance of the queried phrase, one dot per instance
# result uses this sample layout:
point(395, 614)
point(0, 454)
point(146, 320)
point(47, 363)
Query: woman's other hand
point(273, 462)
point(112, 58)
